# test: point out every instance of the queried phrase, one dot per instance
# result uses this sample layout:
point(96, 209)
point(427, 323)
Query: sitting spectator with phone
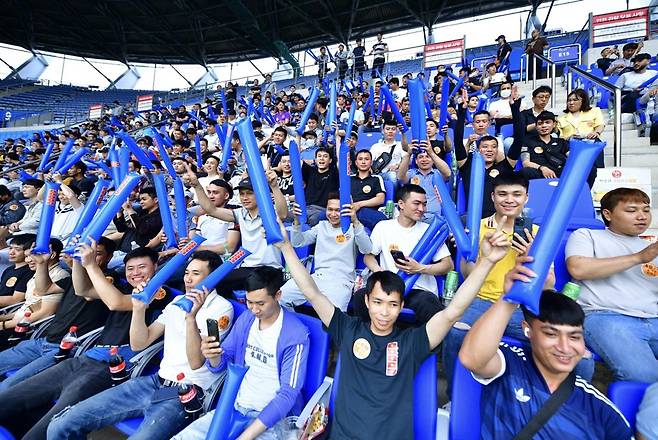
point(274, 344)
point(617, 271)
point(155, 397)
point(536, 391)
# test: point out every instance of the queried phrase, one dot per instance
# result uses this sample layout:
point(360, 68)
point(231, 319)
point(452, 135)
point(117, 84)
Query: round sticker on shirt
point(437, 150)
point(361, 348)
point(366, 189)
point(11, 282)
point(539, 150)
point(494, 173)
point(650, 270)
point(415, 180)
point(161, 293)
point(13, 207)
point(340, 238)
point(223, 322)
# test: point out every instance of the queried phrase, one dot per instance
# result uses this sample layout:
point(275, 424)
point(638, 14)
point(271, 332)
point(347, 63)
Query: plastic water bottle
point(191, 397)
point(117, 367)
point(68, 343)
point(21, 330)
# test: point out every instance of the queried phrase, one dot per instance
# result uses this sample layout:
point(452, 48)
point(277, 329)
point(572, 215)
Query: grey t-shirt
point(632, 292)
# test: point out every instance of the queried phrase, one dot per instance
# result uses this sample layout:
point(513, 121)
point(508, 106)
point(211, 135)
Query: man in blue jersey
point(519, 381)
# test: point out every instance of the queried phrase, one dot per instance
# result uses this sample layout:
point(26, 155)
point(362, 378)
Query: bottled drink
point(21, 330)
point(191, 397)
point(450, 287)
point(117, 367)
point(390, 209)
point(572, 290)
point(68, 343)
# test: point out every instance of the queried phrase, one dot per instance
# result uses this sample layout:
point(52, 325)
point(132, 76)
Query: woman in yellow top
point(580, 120)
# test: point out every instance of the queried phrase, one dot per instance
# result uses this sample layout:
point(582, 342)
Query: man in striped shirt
point(379, 50)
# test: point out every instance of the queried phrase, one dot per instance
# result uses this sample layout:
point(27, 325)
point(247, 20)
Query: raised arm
point(106, 291)
point(204, 202)
point(141, 335)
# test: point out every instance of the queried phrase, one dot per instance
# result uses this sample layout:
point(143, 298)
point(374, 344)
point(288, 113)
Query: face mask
point(505, 93)
point(308, 143)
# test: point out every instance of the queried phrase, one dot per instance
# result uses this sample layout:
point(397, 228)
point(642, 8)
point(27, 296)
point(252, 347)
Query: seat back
point(368, 139)
point(465, 405)
point(541, 191)
point(318, 356)
point(507, 130)
point(627, 397)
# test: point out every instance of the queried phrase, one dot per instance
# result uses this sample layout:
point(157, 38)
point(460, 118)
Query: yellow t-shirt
point(492, 288)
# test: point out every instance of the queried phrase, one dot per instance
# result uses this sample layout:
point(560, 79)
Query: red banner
point(619, 26)
point(445, 52)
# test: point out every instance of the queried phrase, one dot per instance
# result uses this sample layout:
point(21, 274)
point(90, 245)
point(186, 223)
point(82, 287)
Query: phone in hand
point(520, 225)
point(398, 256)
point(213, 328)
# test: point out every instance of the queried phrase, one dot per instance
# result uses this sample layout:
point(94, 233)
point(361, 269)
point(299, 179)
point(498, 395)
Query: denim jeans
point(199, 429)
point(29, 357)
point(128, 400)
point(453, 341)
point(628, 345)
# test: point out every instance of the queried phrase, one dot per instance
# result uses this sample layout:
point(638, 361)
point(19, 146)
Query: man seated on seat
point(518, 383)
point(630, 82)
point(218, 233)
point(402, 234)
point(34, 355)
point(617, 271)
point(14, 279)
point(141, 227)
point(495, 162)
point(320, 180)
point(30, 222)
point(251, 228)
point(11, 210)
point(334, 256)
point(368, 192)
point(540, 99)
point(164, 416)
point(393, 148)
point(43, 292)
point(274, 344)
point(26, 407)
point(379, 360)
point(428, 165)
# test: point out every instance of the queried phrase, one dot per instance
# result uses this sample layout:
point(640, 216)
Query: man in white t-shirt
point(215, 230)
point(155, 397)
point(402, 234)
point(389, 145)
point(618, 274)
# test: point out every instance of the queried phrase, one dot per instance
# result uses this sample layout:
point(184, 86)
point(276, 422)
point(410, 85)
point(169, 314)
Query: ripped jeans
point(130, 399)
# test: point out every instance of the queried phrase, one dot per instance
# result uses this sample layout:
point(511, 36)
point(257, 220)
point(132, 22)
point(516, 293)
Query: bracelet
point(539, 168)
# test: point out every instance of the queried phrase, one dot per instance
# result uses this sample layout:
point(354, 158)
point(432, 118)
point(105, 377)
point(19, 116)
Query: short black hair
point(487, 137)
point(404, 191)
point(482, 112)
point(333, 195)
point(34, 182)
point(542, 89)
point(107, 244)
point(4, 191)
point(23, 240)
point(510, 178)
point(213, 259)
point(264, 277)
point(140, 252)
point(557, 309)
point(323, 150)
point(363, 150)
point(389, 282)
point(149, 191)
point(282, 130)
point(56, 246)
point(390, 122)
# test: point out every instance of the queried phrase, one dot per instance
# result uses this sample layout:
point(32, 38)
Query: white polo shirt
point(253, 239)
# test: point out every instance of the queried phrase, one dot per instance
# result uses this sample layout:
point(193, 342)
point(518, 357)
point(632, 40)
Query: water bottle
point(21, 330)
point(191, 397)
point(117, 367)
point(68, 343)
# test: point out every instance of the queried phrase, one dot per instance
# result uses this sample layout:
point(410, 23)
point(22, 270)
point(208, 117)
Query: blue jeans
point(453, 342)
point(370, 217)
point(628, 345)
point(29, 357)
point(128, 400)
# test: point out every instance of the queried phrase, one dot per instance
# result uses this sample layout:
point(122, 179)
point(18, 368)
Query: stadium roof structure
point(206, 32)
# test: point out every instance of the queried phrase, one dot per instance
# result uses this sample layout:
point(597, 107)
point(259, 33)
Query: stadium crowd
point(197, 160)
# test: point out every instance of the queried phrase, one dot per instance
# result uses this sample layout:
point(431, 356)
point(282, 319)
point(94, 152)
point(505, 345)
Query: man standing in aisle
point(379, 50)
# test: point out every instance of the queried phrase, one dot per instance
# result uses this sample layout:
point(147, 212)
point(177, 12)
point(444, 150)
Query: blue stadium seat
point(627, 396)
point(368, 139)
point(425, 398)
point(390, 190)
point(507, 130)
point(540, 193)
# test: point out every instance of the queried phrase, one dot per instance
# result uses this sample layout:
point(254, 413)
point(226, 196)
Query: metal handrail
point(550, 72)
point(617, 94)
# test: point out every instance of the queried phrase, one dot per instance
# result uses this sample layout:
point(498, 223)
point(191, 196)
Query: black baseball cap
point(500, 36)
point(546, 115)
point(244, 184)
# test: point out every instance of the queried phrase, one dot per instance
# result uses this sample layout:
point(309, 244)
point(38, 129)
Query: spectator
point(540, 98)
point(321, 180)
point(273, 343)
point(323, 63)
point(210, 167)
point(340, 58)
point(269, 85)
point(647, 428)
point(34, 355)
point(358, 54)
point(334, 257)
point(379, 360)
point(379, 51)
point(500, 110)
point(162, 418)
point(14, 279)
point(139, 226)
point(387, 153)
point(511, 374)
point(211, 136)
point(402, 234)
point(628, 52)
point(535, 46)
point(30, 221)
point(220, 238)
point(397, 92)
point(608, 55)
point(503, 52)
point(492, 77)
point(612, 266)
point(281, 115)
point(27, 406)
point(580, 119)
point(367, 190)
point(67, 210)
point(11, 210)
point(544, 156)
point(273, 147)
point(631, 82)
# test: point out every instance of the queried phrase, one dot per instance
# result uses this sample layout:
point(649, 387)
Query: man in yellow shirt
point(510, 195)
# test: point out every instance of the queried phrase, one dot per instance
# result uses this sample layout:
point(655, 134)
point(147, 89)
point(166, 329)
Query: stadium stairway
point(636, 151)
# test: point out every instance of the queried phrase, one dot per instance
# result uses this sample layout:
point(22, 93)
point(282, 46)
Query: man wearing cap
point(503, 52)
point(251, 227)
point(631, 82)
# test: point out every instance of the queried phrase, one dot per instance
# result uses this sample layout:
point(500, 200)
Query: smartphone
point(520, 225)
point(213, 328)
point(398, 256)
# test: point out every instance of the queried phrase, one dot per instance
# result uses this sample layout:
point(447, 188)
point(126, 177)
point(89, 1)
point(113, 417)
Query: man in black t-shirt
point(35, 355)
point(378, 360)
point(321, 180)
point(25, 406)
point(358, 54)
point(13, 283)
